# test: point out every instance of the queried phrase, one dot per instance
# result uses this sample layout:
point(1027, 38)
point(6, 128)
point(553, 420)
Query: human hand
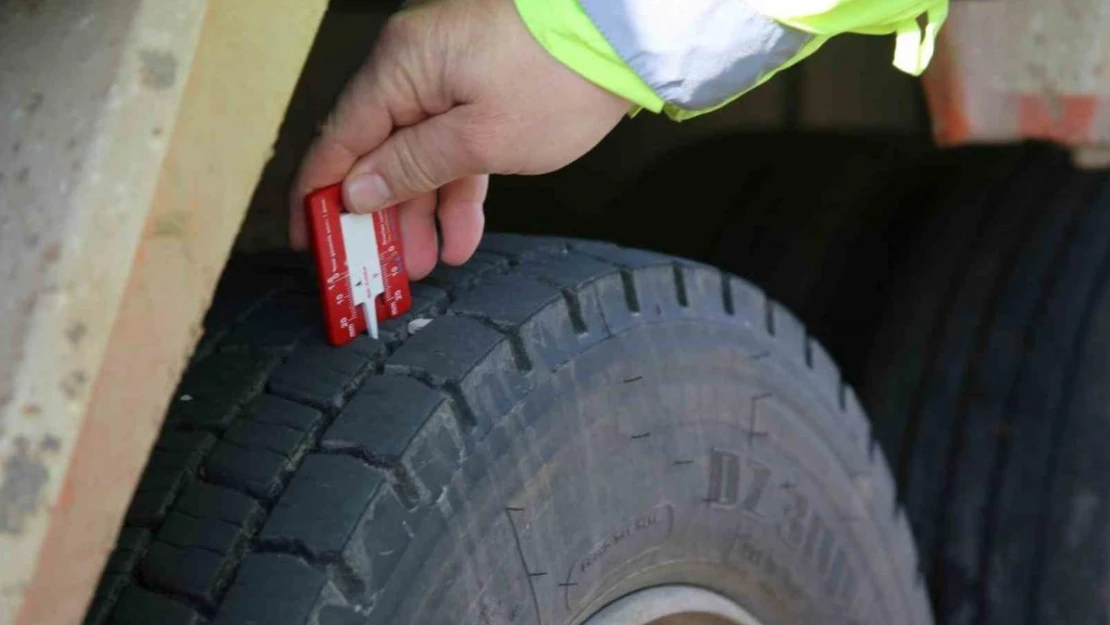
point(453, 91)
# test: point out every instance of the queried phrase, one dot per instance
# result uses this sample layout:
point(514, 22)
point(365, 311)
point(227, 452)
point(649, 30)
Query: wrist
point(564, 30)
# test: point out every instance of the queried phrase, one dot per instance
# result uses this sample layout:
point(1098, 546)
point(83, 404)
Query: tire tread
point(325, 462)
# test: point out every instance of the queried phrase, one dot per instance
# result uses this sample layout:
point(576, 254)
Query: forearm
point(694, 56)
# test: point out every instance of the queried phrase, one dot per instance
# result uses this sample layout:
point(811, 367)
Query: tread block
point(208, 501)
point(456, 279)
point(426, 297)
point(577, 275)
point(322, 375)
point(474, 358)
point(276, 262)
point(748, 301)
point(333, 608)
point(475, 469)
point(138, 606)
point(704, 289)
point(383, 417)
point(901, 543)
point(826, 375)
point(209, 533)
point(287, 442)
point(133, 538)
point(129, 548)
point(279, 263)
point(525, 306)
point(508, 300)
point(192, 572)
point(493, 387)
point(289, 585)
point(619, 306)
point(586, 246)
point(238, 292)
point(519, 248)
point(434, 455)
point(857, 425)
point(153, 497)
point(657, 289)
point(173, 461)
point(278, 326)
point(399, 420)
point(280, 411)
point(108, 590)
point(787, 330)
point(568, 271)
point(648, 285)
point(212, 392)
point(623, 257)
point(322, 504)
point(180, 451)
point(447, 349)
point(178, 441)
point(110, 587)
point(257, 471)
point(340, 615)
point(427, 302)
point(380, 540)
point(122, 562)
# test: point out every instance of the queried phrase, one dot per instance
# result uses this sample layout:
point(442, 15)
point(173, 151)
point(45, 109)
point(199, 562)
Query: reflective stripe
point(696, 54)
point(913, 49)
point(568, 34)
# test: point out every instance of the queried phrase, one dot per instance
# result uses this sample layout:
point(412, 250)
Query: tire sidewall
point(665, 455)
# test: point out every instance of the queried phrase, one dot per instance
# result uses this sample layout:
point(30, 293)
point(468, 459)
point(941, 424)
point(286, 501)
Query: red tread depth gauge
point(359, 264)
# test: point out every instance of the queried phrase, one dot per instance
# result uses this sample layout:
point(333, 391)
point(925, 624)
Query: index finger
point(360, 122)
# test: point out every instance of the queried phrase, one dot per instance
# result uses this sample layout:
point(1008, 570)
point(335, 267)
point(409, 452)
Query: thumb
point(413, 161)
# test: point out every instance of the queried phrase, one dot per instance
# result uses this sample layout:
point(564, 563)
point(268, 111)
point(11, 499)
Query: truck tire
point(558, 431)
point(815, 220)
point(988, 391)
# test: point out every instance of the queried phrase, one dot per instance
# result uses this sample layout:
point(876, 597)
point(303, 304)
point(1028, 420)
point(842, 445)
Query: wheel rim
point(673, 605)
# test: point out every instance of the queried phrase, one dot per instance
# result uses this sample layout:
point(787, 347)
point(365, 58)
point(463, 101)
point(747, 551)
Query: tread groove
point(516, 344)
point(631, 297)
point(957, 445)
point(993, 507)
point(1059, 426)
point(206, 611)
point(520, 353)
point(464, 414)
point(726, 295)
point(993, 328)
point(680, 286)
point(574, 309)
point(404, 486)
point(347, 582)
point(462, 411)
point(937, 332)
point(206, 480)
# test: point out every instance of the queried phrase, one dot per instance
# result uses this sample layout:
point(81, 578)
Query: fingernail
point(367, 192)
